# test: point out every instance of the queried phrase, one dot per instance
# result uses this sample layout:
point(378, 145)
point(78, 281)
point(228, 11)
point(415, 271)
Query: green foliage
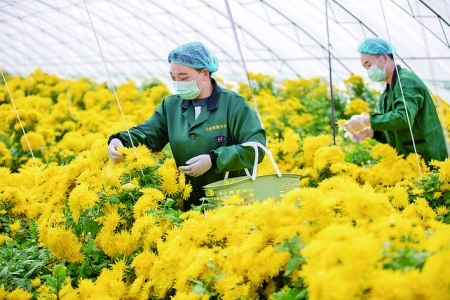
point(291, 294)
point(295, 290)
point(166, 211)
point(433, 192)
point(56, 281)
point(403, 259)
point(204, 287)
point(150, 84)
point(293, 246)
point(91, 267)
point(356, 88)
point(21, 263)
point(360, 154)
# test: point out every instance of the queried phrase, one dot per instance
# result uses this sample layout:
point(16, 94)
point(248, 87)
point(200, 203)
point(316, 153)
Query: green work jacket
point(391, 124)
point(223, 125)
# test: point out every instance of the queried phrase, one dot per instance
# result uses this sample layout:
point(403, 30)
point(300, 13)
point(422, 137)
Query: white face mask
point(375, 73)
point(188, 90)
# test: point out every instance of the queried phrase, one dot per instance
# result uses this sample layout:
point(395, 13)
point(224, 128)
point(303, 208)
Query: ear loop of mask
point(203, 81)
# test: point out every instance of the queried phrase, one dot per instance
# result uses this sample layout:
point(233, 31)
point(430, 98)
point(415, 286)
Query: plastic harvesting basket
point(251, 188)
point(263, 187)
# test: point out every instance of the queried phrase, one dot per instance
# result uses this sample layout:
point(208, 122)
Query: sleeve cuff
point(213, 157)
point(116, 136)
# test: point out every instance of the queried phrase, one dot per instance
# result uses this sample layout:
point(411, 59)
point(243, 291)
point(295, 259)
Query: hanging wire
point(403, 96)
point(438, 98)
point(331, 80)
point(20, 121)
point(233, 27)
point(446, 9)
point(112, 85)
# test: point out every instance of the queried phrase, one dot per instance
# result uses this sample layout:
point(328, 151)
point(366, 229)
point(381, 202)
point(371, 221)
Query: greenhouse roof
point(283, 39)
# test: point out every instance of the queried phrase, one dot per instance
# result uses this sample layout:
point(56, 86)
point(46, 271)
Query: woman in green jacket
point(391, 125)
point(204, 124)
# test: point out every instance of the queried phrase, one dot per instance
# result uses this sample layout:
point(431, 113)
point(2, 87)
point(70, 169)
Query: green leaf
point(172, 217)
point(220, 276)
point(212, 267)
point(50, 280)
point(169, 203)
point(4, 272)
point(38, 265)
point(292, 264)
point(199, 289)
point(91, 226)
point(60, 272)
point(290, 294)
point(114, 199)
point(147, 178)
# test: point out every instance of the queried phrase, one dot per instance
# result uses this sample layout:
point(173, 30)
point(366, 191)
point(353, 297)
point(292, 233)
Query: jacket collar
point(394, 78)
point(213, 100)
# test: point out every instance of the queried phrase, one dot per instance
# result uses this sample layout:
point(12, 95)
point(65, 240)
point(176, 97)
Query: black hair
point(391, 56)
point(200, 69)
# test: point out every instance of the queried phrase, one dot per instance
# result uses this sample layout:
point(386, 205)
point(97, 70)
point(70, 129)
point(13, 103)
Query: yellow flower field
point(365, 224)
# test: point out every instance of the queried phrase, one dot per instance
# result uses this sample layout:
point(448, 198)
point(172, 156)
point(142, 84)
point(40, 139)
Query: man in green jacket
point(391, 124)
point(205, 124)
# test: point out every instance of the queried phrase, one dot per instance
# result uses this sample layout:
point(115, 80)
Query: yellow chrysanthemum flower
point(81, 198)
point(442, 210)
point(36, 282)
point(327, 156)
point(437, 195)
point(15, 226)
point(5, 155)
point(357, 106)
point(143, 263)
point(4, 239)
point(125, 243)
point(64, 244)
point(310, 146)
point(19, 294)
point(169, 174)
point(35, 140)
point(73, 141)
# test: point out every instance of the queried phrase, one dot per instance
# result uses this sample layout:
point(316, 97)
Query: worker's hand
point(361, 135)
point(197, 165)
point(115, 155)
point(356, 123)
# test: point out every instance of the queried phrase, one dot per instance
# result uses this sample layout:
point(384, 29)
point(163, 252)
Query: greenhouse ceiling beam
point(284, 33)
point(435, 12)
point(109, 40)
point(175, 41)
point(187, 24)
point(368, 28)
point(21, 33)
point(255, 38)
point(64, 61)
point(308, 34)
point(6, 53)
point(348, 58)
point(168, 36)
point(431, 31)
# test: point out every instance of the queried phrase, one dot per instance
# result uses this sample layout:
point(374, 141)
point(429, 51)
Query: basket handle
point(255, 146)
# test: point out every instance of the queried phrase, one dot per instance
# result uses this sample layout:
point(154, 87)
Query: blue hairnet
point(376, 46)
point(194, 55)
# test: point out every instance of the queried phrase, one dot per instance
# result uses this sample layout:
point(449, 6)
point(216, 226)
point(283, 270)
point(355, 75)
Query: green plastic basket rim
point(230, 182)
